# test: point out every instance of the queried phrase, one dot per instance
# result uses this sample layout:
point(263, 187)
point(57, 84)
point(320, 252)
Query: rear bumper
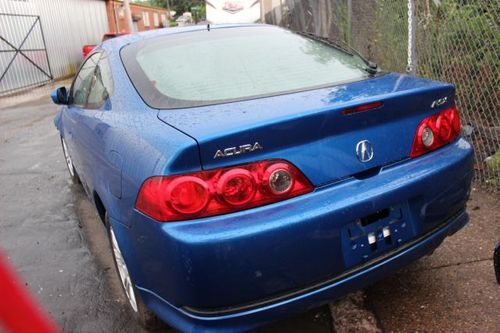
point(239, 271)
point(312, 296)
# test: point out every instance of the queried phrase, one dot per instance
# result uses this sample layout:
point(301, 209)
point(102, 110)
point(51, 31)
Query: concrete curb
point(351, 314)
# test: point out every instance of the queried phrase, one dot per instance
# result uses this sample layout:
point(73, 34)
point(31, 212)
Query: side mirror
point(60, 96)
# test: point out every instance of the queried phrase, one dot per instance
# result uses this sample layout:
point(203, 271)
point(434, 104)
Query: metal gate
point(24, 61)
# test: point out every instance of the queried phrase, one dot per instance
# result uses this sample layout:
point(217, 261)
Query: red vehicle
point(19, 311)
point(86, 49)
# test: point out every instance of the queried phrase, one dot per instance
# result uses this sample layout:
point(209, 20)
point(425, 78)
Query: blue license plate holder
point(372, 235)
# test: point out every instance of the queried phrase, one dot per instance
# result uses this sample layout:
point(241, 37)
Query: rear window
point(224, 65)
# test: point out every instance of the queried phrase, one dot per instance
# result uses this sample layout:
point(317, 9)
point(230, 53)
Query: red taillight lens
point(188, 195)
point(436, 131)
point(236, 187)
point(443, 128)
point(220, 191)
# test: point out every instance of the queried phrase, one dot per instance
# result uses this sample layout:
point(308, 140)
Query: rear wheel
point(142, 314)
point(69, 163)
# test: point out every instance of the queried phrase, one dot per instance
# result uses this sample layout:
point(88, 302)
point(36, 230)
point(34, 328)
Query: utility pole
point(412, 35)
point(349, 22)
point(282, 21)
point(168, 7)
point(262, 13)
point(128, 16)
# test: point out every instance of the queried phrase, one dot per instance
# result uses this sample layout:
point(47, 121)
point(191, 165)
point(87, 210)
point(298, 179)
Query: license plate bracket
point(374, 234)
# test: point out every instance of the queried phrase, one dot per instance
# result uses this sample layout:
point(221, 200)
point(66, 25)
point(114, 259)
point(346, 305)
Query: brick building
point(144, 17)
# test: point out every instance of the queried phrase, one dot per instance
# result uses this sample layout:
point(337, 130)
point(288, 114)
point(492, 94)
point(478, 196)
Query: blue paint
point(261, 253)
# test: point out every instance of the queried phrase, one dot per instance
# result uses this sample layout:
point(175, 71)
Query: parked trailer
point(236, 11)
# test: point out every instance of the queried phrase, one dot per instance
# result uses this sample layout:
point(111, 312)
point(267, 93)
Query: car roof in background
point(117, 43)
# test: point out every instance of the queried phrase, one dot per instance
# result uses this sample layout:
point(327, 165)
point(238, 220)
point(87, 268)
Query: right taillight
point(220, 191)
point(435, 131)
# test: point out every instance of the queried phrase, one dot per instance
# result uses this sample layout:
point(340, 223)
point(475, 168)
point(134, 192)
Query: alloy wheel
point(69, 162)
point(123, 272)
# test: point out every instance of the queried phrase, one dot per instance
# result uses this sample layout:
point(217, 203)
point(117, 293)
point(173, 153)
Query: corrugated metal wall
point(67, 25)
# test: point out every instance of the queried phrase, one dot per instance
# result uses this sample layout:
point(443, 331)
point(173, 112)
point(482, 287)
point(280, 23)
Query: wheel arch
point(100, 207)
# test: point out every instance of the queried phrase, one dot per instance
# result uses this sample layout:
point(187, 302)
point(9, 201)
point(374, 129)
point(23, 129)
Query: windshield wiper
point(372, 66)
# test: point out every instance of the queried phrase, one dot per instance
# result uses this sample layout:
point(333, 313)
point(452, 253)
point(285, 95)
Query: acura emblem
point(364, 151)
point(232, 151)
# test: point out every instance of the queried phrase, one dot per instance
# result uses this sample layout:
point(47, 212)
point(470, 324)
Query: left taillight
point(220, 191)
point(435, 131)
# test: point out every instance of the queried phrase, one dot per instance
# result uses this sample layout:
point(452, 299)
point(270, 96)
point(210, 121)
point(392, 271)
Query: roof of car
point(118, 42)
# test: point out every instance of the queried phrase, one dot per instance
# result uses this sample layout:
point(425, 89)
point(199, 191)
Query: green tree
point(179, 6)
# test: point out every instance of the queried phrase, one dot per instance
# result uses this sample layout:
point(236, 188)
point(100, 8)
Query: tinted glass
point(208, 67)
point(102, 86)
point(81, 85)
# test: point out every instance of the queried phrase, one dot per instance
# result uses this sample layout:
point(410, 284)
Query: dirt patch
point(453, 290)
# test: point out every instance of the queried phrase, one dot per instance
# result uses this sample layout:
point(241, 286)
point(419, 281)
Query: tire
point(141, 313)
point(496, 262)
point(69, 163)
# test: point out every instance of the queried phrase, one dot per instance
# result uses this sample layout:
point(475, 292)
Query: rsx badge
point(439, 102)
point(243, 149)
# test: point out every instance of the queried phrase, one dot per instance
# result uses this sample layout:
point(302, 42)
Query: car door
point(72, 118)
point(98, 159)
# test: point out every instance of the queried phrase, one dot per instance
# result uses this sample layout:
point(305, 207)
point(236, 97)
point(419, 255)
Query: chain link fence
point(458, 42)
point(454, 40)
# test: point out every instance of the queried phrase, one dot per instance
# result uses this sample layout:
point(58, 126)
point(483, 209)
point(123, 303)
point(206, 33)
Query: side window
point(102, 85)
point(81, 84)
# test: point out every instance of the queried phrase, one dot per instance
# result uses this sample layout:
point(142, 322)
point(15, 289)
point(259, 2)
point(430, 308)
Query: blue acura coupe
point(246, 172)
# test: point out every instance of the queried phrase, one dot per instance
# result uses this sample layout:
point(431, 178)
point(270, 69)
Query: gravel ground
point(51, 234)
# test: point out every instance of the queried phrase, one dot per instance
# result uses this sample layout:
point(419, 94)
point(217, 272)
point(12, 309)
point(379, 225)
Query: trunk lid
point(310, 130)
